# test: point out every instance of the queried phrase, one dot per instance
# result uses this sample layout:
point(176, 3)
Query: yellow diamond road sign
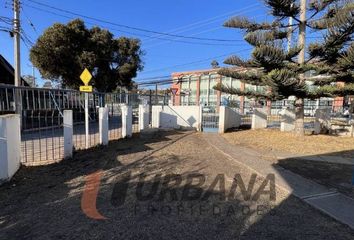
point(86, 76)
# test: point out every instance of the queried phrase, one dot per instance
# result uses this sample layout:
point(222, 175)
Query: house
point(7, 73)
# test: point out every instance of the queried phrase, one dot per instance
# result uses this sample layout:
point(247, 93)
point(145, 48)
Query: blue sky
point(197, 18)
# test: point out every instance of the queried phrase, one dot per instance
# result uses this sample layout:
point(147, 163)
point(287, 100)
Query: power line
point(161, 82)
point(208, 30)
point(26, 37)
point(30, 22)
point(130, 27)
point(151, 78)
point(208, 21)
point(4, 29)
point(199, 61)
point(6, 20)
point(138, 34)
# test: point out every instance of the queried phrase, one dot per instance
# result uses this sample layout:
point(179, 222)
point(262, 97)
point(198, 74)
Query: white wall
point(10, 146)
point(259, 118)
point(228, 118)
point(176, 117)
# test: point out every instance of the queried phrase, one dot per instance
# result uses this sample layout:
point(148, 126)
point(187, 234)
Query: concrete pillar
point(10, 145)
point(322, 121)
point(155, 119)
point(222, 118)
point(228, 118)
point(103, 125)
point(200, 118)
point(143, 117)
point(259, 118)
point(288, 120)
point(127, 121)
point(68, 133)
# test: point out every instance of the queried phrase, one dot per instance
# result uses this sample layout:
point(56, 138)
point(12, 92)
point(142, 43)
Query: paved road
point(167, 185)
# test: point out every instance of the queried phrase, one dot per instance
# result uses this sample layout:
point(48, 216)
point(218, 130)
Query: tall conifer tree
point(282, 71)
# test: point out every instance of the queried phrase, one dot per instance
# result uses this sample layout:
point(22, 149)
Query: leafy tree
point(63, 51)
point(215, 64)
point(284, 72)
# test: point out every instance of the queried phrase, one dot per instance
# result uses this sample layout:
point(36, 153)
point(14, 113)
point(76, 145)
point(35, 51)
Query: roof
point(200, 72)
point(196, 72)
point(7, 75)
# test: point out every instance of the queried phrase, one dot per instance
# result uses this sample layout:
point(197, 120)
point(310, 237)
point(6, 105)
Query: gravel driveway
point(166, 185)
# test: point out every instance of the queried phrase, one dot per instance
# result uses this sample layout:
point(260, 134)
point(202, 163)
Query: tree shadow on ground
point(323, 169)
point(332, 176)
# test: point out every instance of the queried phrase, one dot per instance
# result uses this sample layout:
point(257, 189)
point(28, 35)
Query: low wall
point(176, 117)
point(229, 118)
point(259, 118)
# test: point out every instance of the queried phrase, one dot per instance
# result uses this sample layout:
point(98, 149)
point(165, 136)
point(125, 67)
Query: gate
point(210, 119)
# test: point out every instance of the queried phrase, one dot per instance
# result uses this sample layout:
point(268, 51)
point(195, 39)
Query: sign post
point(86, 78)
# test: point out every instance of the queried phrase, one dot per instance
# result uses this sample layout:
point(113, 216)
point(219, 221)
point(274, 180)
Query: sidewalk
point(327, 200)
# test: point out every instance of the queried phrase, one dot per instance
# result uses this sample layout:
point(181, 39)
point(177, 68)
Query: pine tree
point(282, 71)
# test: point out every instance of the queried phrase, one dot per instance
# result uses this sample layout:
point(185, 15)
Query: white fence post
point(155, 120)
point(68, 133)
point(143, 117)
point(127, 121)
point(103, 125)
point(259, 118)
point(222, 113)
point(288, 120)
point(10, 145)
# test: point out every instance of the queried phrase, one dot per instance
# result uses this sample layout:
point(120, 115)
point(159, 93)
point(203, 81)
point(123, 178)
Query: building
point(196, 88)
point(7, 73)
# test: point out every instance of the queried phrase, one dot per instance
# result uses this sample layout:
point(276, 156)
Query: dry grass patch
point(275, 140)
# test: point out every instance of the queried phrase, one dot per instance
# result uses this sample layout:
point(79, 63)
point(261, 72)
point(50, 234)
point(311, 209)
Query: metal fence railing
point(339, 110)
point(42, 118)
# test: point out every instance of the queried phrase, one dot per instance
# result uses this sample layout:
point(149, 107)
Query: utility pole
point(17, 55)
point(299, 103)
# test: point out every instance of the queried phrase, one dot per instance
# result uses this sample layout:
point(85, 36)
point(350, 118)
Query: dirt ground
point(274, 140)
point(332, 175)
point(48, 202)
